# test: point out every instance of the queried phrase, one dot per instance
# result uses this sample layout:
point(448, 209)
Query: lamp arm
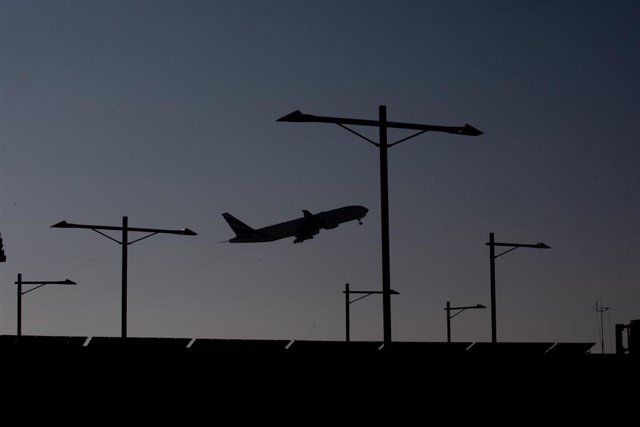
point(107, 236)
point(142, 238)
point(506, 252)
point(32, 289)
point(404, 139)
point(358, 134)
point(451, 317)
point(359, 298)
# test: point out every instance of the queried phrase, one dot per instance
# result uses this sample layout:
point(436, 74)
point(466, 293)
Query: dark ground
point(153, 378)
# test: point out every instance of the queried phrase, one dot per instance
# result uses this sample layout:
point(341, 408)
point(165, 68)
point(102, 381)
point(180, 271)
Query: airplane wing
point(310, 227)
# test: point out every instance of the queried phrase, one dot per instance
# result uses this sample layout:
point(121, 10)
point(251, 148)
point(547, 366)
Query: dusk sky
point(165, 111)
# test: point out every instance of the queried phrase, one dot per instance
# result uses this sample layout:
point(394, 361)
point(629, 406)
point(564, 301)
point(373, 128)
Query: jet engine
point(331, 224)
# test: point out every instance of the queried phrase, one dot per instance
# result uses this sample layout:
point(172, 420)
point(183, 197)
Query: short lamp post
point(450, 316)
point(348, 302)
point(37, 284)
point(125, 242)
point(492, 257)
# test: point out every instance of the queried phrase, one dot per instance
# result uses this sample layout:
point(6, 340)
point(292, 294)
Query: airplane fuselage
point(301, 228)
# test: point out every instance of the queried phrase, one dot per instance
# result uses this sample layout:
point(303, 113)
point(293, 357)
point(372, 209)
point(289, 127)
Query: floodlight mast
point(382, 124)
point(125, 244)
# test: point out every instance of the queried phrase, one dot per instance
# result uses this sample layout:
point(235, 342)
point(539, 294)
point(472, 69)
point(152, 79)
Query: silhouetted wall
point(634, 337)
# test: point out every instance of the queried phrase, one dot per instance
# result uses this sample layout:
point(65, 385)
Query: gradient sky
point(165, 111)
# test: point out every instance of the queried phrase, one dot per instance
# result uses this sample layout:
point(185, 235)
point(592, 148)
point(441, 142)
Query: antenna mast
point(600, 309)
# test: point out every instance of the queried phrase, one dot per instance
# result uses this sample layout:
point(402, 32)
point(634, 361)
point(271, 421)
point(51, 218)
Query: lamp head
point(470, 131)
point(61, 224)
point(188, 232)
point(541, 245)
point(296, 116)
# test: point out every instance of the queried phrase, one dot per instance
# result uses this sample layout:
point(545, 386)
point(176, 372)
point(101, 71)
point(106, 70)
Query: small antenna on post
point(600, 309)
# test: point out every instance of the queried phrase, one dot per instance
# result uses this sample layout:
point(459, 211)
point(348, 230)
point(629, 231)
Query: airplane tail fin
point(238, 227)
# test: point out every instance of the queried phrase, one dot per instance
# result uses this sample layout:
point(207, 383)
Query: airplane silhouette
point(302, 228)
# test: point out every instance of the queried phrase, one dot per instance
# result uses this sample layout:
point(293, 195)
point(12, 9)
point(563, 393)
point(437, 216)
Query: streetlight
point(125, 243)
point(448, 308)
point(39, 284)
point(492, 256)
point(382, 124)
point(348, 301)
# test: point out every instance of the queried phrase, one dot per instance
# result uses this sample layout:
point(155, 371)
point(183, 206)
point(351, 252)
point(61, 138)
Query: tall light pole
point(37, 284)
point(125, 229)
point(348, 302)
point(492, 257)
point(448, 309)
point(382, 124)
